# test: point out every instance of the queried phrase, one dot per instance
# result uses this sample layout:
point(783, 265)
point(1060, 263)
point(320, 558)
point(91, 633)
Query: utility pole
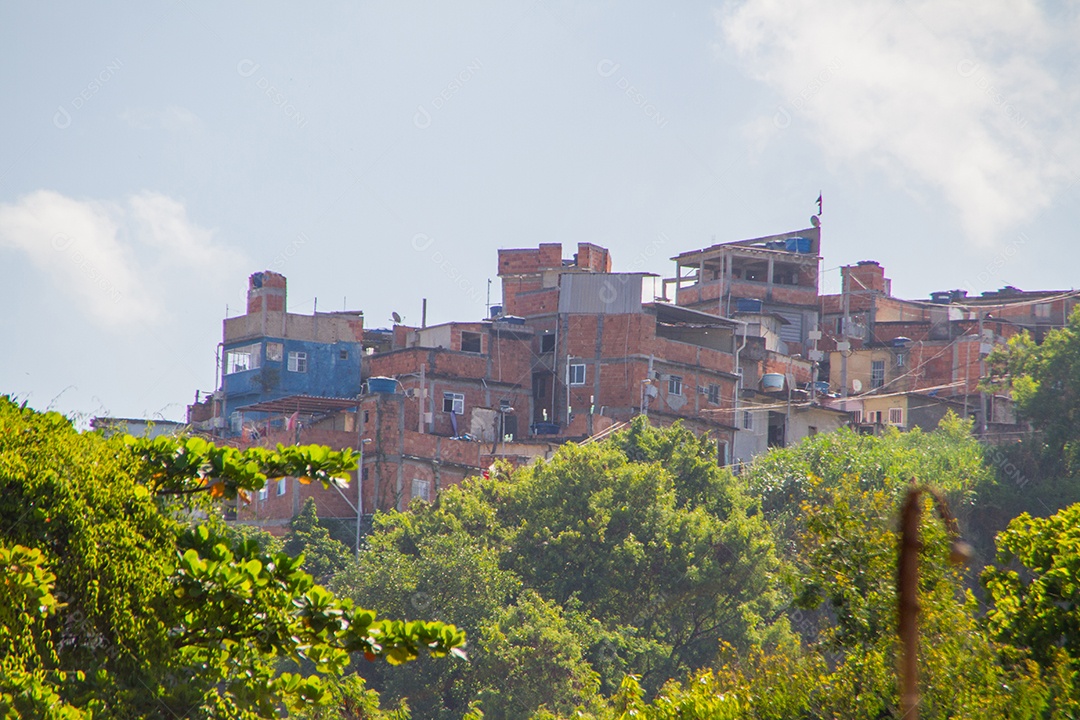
point(982, 374)
point(844, 346)
point(360, 493)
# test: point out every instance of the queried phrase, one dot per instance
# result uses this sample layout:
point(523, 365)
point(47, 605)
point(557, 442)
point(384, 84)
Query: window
point(877, 373)
point(242, 358)
point(274, 351)
point(896, 416)
point(539, 386)
point(470, 342)
point(263, 492)
point(714, 394)
point(297, 361)
point(421, 489)
point(547, 343)
point(747, 420)
point(367, 416)
point(839, 326)
point(1042, 310)
point(343, 354)
point(674, 385)
point(856, 417)
point(900, 360)
point(453, 403)
point(281, 486)
point(576, 374)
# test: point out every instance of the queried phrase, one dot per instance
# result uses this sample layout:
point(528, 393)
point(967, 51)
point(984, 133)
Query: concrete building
point(740, 345)
point(776, 275)
point(269, 353)
point(602, 349)
point(879, 344)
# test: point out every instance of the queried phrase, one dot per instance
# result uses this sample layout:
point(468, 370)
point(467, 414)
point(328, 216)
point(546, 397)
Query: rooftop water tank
point(748, 305)
point(772, 382)
point(382, 385)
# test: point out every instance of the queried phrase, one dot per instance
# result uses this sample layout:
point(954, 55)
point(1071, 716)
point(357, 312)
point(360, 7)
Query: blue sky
point(157, 153)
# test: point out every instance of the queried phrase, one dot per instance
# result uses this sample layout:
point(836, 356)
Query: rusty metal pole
point(907, 587)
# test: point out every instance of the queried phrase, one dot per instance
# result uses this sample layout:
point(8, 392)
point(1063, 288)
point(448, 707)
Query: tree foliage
point(117, 603)
point(1035, 587)
point(323, 556)
point(634, 555)
point(1045, 384)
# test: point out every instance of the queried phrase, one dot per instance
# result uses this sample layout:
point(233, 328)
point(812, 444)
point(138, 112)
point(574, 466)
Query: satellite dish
point(815, 221)
point(396, 317)
point(856, 386)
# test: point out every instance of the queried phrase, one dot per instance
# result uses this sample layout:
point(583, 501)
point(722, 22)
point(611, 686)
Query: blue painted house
point(269, 353)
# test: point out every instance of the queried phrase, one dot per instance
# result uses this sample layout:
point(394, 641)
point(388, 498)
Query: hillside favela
point(540, 360)
point(715, 493)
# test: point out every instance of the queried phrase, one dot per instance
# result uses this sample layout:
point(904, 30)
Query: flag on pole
point(819, 203)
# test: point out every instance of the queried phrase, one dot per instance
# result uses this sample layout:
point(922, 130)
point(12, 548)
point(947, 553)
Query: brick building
point(882, 345)
point(745, 348)
point(776, 275)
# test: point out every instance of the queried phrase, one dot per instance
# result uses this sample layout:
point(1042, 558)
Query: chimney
point(865, 275)
point(266, 292)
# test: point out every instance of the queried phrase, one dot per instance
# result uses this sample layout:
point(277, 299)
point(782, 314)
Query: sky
point(157, 153)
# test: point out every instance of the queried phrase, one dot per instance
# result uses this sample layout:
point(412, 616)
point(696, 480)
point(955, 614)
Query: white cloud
point(117, 262)
point(162, 222)
point(958, 99)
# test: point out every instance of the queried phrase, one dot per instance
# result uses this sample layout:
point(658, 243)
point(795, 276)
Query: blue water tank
point(748, 305)
point(797, 245)
point(545, 428)
point(496, 311)
point(382, 385)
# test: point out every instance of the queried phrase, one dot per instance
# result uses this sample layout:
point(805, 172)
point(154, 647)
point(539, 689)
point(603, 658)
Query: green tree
point(323, 556)
point(1045, 384)
point(616, 538)
point(152, 613)
point(642, 565)
point(1035, 590)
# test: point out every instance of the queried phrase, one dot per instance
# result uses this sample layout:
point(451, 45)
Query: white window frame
point(424, 488)
point(875, 381)
point(575, 374)
point(457, 402)
point(674, 384)
point(856, 417)
point(896, 416)
point(242, 359)
point(297, 361)
point(282, 486)
point(264, 492)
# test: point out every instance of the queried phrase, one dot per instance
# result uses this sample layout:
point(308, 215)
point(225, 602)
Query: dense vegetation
point(628, 578)
point(116, 601)
point(636, 576)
